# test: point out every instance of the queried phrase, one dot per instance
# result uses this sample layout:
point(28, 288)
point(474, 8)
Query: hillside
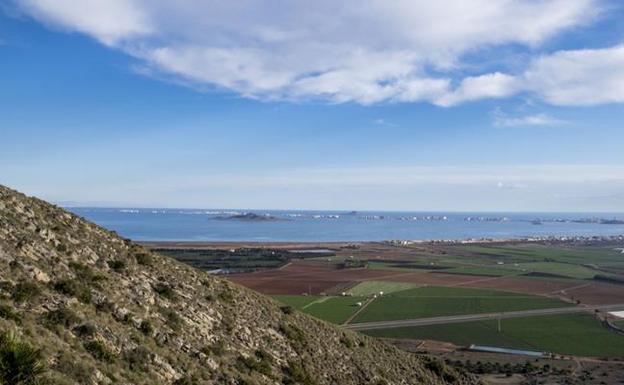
point(103, 310)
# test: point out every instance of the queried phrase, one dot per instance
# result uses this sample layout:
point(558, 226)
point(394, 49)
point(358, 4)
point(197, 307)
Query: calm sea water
point(206, 225)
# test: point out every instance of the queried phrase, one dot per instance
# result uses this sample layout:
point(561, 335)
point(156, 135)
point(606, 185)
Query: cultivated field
point(441, 280)
point(443, 301)
point(578, 334)
point(331, 309)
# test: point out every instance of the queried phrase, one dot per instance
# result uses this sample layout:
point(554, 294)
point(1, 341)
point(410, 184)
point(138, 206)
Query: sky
point(453, 105)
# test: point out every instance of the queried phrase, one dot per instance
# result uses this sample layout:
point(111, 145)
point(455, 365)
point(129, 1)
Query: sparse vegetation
point(99, 351)
point(73, 288)
point(173, 320)
point(144, 259)
point(62, 316)
point(7, 312)
point(137, 359)
point(117, 265)
point(296, 374)
point(20, 363)
point(25, 291)
point(146, 327)
point(165, 290)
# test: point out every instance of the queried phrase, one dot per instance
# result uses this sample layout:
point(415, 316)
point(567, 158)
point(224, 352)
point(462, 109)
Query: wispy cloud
point(350, 51)
point(501, 119)
point(384, 123)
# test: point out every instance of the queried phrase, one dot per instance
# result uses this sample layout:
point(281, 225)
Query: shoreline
point(616, 240)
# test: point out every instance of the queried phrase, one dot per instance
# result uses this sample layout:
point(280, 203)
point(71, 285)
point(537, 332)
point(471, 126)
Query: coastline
point(616, 240)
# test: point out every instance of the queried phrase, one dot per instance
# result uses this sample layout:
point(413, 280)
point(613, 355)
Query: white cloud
point(384, 123)
point(495, 85)
point(361, 51)
point(580, 77)
point(109, 21)
point(501, 119)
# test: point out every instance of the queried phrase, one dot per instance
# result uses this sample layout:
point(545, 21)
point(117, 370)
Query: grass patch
point(573, 334)
point(440, 301)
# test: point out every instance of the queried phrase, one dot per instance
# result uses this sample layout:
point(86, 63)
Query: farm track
point(478, 317)
point(360, 310)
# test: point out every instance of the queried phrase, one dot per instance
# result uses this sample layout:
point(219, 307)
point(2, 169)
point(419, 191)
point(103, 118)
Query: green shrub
point(61, 248)
point(104, 306)
point(138, 359)
point(25, 291)
point(172, 318)
point(294, 334)
point(76, 369)
point(249, 364)
point(98, 351)
point(216, 349)
point(85, 273)
point(117, 265)
point(296, 374)
point(61, 317)
point(20, 364)
point(346, 341)
point(7, 312)
point(441, 369)
point(186, 380)
point(146, 327)
point(287, 309)
point(73, 288)
point(85, 330)
point(144, 259)
point(165, 290)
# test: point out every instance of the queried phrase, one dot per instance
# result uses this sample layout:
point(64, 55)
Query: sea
point(154, 224)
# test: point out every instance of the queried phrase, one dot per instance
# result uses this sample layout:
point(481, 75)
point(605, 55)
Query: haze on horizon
point(514, 105)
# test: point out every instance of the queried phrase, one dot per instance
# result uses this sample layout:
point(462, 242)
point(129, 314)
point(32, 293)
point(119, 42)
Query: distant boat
point(536, 222)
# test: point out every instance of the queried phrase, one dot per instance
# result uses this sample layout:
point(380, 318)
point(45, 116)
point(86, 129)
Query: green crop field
point(414, 267)
point(488, 271)
point(374, 287)
point(540, 253)
point(574, 334)
point(440, 301)
point(332, 309)
point(563, 269)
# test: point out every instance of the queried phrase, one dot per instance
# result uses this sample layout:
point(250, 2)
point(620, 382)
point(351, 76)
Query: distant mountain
point(81, 305)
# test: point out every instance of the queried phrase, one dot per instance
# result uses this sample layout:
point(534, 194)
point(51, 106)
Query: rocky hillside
point(102, 310)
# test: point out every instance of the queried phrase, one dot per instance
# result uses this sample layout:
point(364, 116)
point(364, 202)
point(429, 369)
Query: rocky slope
point(104, 310)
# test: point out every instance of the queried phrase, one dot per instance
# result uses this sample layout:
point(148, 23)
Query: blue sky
point(470, 105)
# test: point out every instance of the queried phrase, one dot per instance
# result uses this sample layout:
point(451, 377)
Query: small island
point(251, 217)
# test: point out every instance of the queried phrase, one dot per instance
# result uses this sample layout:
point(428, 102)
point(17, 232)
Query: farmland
point(403, 301)
point(441, 301)
point(374, 287)
point(448, 280)
point(563, 334)
point(331, 309)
